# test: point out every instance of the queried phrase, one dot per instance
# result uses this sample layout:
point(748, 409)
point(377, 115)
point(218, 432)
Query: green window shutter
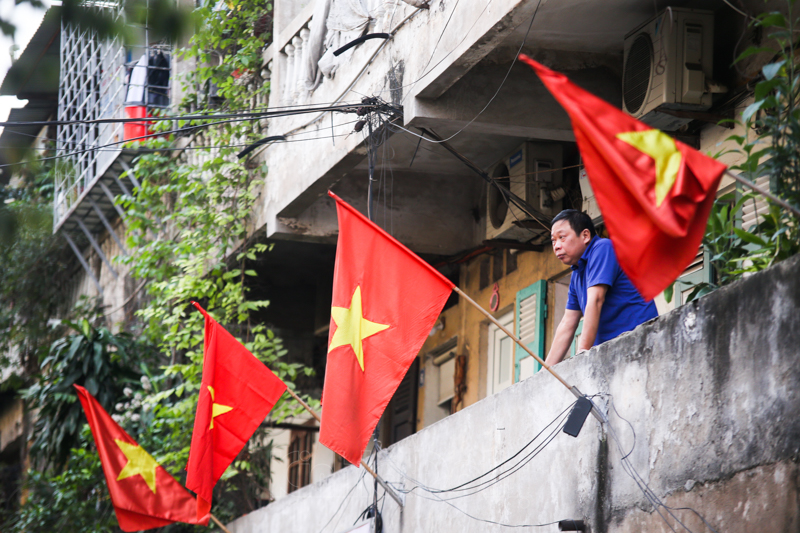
point(531, 311)
point(698, 271)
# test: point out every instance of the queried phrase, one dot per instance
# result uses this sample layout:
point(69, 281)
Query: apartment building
point(447, 116)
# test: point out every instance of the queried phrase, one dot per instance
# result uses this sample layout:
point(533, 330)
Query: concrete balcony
point(440, 69)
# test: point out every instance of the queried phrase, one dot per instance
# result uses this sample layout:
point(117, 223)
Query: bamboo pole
point(389, 490)
point(764, 192)
point(512, 336)
point(222, 527)
point(573, 389)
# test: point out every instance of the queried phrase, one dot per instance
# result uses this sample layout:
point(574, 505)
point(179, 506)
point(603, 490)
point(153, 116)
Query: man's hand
point(595, 297)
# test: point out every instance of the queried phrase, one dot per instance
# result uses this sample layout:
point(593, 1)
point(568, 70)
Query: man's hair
point(577, 221)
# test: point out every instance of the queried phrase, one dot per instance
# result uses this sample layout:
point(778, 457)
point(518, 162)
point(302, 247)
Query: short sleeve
point(602, 267)
point(572, 299)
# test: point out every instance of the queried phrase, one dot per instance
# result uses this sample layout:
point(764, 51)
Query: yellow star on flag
point(661, 147)
point(216, 408)
point(139, 463)
point(352, 328)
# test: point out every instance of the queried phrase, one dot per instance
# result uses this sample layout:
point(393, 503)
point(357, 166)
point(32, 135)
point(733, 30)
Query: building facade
point(433, 119)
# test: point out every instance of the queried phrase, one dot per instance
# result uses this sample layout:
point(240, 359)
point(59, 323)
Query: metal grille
point(91, 87)
point(638, 67)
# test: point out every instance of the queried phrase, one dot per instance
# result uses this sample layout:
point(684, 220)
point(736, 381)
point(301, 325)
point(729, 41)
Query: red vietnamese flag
point(385, 302)
point(144, 495)
point(655, 193)
point(236, 394)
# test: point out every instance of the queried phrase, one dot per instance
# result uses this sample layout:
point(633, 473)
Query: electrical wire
point(435, 494)
point(648, 493)
point(472, 485)
point(104, 147)
point(502, 83)
point(256, 115)
point(344, 500)
point(151, 135)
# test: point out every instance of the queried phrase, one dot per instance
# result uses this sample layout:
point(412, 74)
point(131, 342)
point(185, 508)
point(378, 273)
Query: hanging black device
point(578, 416)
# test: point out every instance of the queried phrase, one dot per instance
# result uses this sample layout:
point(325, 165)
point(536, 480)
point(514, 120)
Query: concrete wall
point(710, 390)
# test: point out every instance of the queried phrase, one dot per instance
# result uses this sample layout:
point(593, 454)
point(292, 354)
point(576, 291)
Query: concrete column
point(266, 75)
point(301, 78)
point(288, 86)
point(297, 73)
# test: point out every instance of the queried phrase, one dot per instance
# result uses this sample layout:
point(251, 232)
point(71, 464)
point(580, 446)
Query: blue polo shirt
point(623, 308)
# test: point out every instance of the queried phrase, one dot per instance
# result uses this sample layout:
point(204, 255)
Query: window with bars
point(300, 459)
point(91, 88)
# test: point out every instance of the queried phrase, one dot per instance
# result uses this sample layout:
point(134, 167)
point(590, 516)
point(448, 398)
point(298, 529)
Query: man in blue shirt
point(599, 290)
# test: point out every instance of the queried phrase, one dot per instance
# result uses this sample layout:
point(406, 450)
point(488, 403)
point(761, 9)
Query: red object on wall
point(135, 130)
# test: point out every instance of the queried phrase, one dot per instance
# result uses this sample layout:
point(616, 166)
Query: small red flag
point(236, 394)
point(655, 193)
point(385, 302)
point(144, 495)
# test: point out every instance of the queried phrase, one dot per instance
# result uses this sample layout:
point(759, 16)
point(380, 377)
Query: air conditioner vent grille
point(638, 67)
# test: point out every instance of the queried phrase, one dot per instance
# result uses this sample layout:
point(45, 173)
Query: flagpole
point(574, 390)
point(764, 192)
point(222, 527)
point(378, 478)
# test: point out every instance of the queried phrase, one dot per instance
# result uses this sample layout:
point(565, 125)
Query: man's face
point(567, 245)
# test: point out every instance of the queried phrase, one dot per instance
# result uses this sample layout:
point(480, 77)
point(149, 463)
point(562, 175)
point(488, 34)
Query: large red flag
point(655, 193)
point(144, 495)
point(236, 394)
point(385, 302)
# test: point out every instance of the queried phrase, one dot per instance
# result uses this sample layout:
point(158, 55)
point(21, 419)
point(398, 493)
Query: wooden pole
point(221, 526)
point(574, 390)
point(764, 192)
point(389, 490)
point(512, 336)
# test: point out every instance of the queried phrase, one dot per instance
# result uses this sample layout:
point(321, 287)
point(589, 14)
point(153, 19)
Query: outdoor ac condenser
point(668, 66)
point(534, 173)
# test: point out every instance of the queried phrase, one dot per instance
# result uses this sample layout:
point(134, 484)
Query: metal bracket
point(83, 262)
point(107, 224)
point(112, 199)
point(96, 246)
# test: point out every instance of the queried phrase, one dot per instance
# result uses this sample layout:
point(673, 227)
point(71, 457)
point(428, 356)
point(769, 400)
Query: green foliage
point(188, 232)
point(188, 227)
point(227, 51)
point(771, 147)
point(165, 20)
point(32, 262)
point(74, 500)
point(93, 358)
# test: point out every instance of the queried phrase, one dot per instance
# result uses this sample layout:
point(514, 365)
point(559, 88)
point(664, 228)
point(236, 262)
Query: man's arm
point(563, 337)
point(595, 296)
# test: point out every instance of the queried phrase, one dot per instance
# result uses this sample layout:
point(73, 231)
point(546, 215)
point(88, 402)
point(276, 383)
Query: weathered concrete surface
point(711, 390)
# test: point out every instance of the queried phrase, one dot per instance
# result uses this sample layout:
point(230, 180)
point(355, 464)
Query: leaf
point(669, 292)
point(752, 51)
point(772, 69)
point(751, 110)
point(750, 237)
point(774, 20)
point(91, 386)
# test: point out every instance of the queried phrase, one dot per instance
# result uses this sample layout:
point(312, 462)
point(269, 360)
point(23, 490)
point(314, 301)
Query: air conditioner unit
point(589, 204)
point(668, 66)
point(534, 173)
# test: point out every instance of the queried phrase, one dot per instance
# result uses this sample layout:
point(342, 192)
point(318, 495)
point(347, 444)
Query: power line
point(649, 494)
point(159, 134)
point(243, 116)
point(524, 39)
